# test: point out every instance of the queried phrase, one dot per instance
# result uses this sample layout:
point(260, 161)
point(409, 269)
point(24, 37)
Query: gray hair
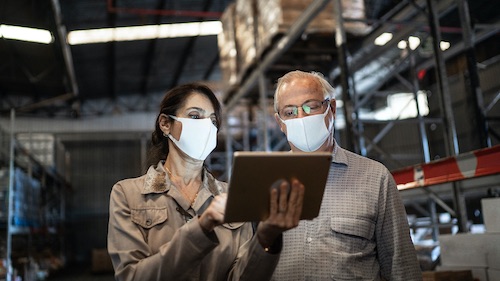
point(328, 90)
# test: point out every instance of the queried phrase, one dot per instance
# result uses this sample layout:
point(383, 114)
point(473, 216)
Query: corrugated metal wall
point(95, 167)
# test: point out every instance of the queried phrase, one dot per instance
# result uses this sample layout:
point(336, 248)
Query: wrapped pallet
point(246, 34)
point(277, 16)
point(227, 47)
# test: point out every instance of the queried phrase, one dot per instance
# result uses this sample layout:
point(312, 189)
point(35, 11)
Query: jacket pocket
point(149, 217)
point(353, 227)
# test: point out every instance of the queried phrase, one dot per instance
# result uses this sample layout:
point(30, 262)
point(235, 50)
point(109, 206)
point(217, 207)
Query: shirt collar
point(339, 154)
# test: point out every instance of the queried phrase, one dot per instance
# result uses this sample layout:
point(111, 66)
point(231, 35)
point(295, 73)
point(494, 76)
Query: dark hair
point(172, 101)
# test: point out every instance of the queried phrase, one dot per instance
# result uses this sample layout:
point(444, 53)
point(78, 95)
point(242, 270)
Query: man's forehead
point(302, 89)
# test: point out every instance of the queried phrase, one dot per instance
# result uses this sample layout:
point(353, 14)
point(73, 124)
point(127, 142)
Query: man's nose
point(300, 112)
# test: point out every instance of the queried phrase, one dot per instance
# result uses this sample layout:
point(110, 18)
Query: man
point(361, 232)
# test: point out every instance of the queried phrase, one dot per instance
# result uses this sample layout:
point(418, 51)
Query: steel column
point(421, 123)
point(263, 108)
point(347, 95)
point(10, 210)
point(476, 100)
point(450, 135)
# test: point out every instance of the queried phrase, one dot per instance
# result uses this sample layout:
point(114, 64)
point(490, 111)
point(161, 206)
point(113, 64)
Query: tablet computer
point(253, 174)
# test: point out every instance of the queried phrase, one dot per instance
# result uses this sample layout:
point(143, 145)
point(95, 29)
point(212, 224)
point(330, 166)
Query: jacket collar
point(156, 181)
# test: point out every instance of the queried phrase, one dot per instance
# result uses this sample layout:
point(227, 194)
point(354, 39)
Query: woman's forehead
point(197, 100)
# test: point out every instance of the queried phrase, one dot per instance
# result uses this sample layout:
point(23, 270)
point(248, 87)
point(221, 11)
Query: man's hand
point(284, 212)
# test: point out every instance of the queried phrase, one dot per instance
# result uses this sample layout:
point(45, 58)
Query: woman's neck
point(186, 171)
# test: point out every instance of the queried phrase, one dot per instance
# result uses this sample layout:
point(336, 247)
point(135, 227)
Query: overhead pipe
point(156, 12)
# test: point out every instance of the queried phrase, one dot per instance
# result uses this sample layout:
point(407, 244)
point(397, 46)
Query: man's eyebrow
point(299, 104)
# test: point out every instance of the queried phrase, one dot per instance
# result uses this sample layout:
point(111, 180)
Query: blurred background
point(416, 83)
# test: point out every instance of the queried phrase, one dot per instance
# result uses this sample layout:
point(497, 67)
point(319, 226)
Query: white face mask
point(308, 133)
point(198, 137)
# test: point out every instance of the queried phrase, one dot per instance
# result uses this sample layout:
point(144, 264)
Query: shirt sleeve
point(254, 262)
point(396, 253)
point(131, 256)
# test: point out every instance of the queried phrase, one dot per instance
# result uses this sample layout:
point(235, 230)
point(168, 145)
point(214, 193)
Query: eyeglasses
point(310, 107)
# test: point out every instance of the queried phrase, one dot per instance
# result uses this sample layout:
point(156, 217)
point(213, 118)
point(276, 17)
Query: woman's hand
point(214, 214)
point(284, 212)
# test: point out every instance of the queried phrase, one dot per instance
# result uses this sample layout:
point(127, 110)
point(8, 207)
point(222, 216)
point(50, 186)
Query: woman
point(168, 223)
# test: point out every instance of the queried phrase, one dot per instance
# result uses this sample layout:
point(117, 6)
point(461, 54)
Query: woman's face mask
point(198, 137)
point(308, 133)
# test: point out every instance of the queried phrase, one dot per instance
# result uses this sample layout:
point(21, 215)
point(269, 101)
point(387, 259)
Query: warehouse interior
point(417, 89)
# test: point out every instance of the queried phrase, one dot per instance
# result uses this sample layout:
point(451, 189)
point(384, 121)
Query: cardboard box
point(101, 262)
point(468, 249)
point(491, 214)
point(493, 275)
point(493, 260)
point(462, 275)
point(478, 273)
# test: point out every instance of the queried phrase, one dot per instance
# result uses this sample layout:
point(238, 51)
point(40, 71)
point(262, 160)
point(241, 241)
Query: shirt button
point(148, 222)
point(309, 239)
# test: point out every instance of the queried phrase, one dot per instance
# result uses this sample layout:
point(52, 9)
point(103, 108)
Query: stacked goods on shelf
point(26, 200)
point(246, 34)
point(491, 216)
point(478, 252)
point(227, 47)
point(277, 16)
point(4, 191)
point(4, 205)
point(250, 26)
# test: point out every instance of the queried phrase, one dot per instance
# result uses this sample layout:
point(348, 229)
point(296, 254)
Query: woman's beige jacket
point(154, 234)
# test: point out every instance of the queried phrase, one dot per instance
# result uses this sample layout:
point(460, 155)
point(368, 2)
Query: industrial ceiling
point(59, 80)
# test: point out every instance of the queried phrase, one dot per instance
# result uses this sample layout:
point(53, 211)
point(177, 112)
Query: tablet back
point(254, 173)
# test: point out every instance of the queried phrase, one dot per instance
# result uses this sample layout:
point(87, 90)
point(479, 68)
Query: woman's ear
point(164, 122)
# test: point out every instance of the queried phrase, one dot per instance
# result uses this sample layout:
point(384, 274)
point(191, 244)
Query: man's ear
point(280, 123)
point(164, 122)
point(333, 107)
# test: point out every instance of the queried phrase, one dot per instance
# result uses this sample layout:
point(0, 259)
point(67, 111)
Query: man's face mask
point(308, 133)
point(198, 137)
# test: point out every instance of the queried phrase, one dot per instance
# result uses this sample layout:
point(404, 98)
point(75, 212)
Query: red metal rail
point(477, 163)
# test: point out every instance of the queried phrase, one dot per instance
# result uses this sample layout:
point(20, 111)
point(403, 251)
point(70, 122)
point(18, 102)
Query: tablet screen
point(254, 173)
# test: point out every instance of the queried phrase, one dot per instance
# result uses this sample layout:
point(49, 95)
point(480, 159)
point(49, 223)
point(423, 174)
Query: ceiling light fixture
point(413, 41)
point(26, 34)
point(383, 38)
point(402, 44)
point(444, 45)
point(132, 33)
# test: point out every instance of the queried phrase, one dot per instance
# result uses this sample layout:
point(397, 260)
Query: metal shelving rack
point(34, 215)
point(427, 137)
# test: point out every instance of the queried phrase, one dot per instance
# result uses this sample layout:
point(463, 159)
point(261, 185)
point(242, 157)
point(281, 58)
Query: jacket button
point(148, 222)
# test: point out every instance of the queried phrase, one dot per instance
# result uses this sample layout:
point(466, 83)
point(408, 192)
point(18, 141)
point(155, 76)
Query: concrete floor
point(80, 274)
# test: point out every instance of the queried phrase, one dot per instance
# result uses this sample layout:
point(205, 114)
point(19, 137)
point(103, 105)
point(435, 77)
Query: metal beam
point(475, 102)
point(68, 58)
point(348, 92)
